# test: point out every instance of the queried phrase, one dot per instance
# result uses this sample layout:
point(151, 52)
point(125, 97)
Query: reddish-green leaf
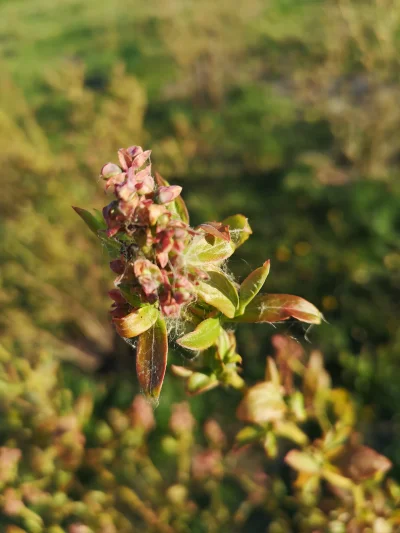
point(204, 336)
point(136, 322)
point(278, 307)
point(201, 253)
point(151, 360)
point(217, 229)
point(239, 229)
point(252, 285)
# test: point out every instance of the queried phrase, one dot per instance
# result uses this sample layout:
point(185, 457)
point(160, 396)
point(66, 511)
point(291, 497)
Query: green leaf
point(249, 434)
point(136, 322)
point(132, 299)
point(151, 360)
point(198, 383)
point(182, 210)
point(278, 307)
point(290, 430)
point(302, 462)
point(97, 225)
point(239, 229)
point(337, 480)
point(262, 403)
point(252, 285)
point(95, 222)
point(201, 253)
point(220, 281)
point(204, 336)
point(213, 296)
point(181, 371)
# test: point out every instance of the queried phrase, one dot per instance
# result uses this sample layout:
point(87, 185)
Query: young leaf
point(213, 296)
point(202, 253)
point(252, 285)
point(302, 462)
point(289, 430)
point(278, 307)
point(151, 360)
point(95, 222)
point(198, 383)
point(136, 322)
point(249, 434)
point(220, 281)
point(239, 229)
point(217, 229)
point(262, 403)
point(181, 209)
point(203, 336)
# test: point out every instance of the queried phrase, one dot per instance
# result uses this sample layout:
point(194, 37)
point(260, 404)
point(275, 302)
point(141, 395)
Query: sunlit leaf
point(216, 229)
point(302, 462)
point(198, 383)
point(204, 336)
point(216, 298)
point(181, 371)
point(239, 229)
point(252, 285)
point(278, 307)
point(201, 253)
point(249, 434)
point(136, 322)
point(337, 480)
point(290, 430)
point(262, 403)
point(151, 360)
point(94, 221)
point(220, 281)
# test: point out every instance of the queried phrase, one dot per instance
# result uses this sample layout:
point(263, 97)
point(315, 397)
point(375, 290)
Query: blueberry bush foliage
point(173, 286)
point(172, 276)
point(286, 111)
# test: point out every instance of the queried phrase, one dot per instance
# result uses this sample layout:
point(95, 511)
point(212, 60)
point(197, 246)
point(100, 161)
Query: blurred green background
point(285, 111)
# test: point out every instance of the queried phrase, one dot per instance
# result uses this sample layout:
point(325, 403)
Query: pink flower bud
point(165, 195)
point(141, 159)
point(148, 275)
point(109, 170)
point(125, 159)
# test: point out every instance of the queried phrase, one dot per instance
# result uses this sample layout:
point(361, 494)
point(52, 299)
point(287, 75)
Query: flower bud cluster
point(152, 236)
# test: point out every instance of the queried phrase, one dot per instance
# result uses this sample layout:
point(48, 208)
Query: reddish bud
point(117, 266)
point(148, 275)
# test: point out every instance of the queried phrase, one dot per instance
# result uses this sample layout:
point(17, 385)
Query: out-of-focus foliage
point(286, 111)
point(71, 462)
